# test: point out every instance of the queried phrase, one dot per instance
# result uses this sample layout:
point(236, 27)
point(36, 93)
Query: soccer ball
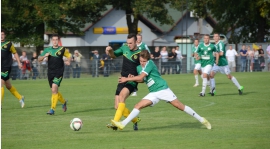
point(76, 124)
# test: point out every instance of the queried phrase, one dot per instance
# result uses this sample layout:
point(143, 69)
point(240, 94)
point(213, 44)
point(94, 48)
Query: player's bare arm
point(40, 59)
point(18, 60)
point(138, 78)
point(111, 54)
point(217, 57)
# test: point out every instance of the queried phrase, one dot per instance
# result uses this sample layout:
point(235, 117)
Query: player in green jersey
point(197, 68)
point(140, 45)
point(131, 54)
point(205, 54)
point(159, 90)
point(222, 67)
point(55, 71)
point(7, 49)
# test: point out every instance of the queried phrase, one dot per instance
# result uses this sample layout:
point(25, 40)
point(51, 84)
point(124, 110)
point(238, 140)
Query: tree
point(247, 20)
point(26, 19)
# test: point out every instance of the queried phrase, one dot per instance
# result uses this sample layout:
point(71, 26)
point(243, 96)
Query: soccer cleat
point(134, 94)
point(50, 112)
point(118, 124)
point(22, 102)
point(213, 92)
point(206, 123)
point(195, 85)
point(201, 95)
point(64, 106)
point(112, 127)
point(241, 90)
point(135, 125)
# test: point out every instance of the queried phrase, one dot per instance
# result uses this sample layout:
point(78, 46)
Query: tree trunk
point(40, 30)
point(261, 29)
point(132, 24)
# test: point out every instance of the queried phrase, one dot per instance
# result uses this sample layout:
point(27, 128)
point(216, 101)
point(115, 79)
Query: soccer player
point(205, 54)
point(222, 67)
point(140, 45)
point(158, 89)
point(7, 49)
point(197, 68)
point(55, 55)
point(130, 53)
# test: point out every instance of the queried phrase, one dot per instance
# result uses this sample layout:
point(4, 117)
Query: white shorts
point(166, 95)
point(197, 66)
point(231, 64)
point(207, 69)
point(221, 69)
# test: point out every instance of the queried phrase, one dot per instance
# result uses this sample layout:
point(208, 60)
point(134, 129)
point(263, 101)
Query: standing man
point(130, 53)
point(179, 58)
point(205, 54)
point(230, 56)
point(197, 68)
point(243, 54)
point(222, 67)
point(55, 71)
point(268, 55)
point(95, 63)
point(107, 62)
point(7, 49)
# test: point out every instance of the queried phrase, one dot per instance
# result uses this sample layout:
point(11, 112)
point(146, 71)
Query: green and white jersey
point(222, 59)
point(206, 54)
point(195, 50)
point(153, 79)
point(142, 45)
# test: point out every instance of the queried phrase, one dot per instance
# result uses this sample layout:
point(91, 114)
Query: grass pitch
point(237, 121)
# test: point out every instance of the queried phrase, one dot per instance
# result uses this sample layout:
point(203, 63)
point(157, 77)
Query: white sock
point(235, 82)
point(213, 83)
point(202, 76)
point(204, 84)
point(196, 79)
point(131, 116)
point(191, 112)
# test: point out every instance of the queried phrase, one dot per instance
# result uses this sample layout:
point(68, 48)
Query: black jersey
point(7, 49)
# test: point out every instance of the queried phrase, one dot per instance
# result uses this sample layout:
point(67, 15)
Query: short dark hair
point(207, 35)
point(132, 36)
point(55, 35)
point(216, 33)
point(196, 39)
point(4, 31)
point(145, 54)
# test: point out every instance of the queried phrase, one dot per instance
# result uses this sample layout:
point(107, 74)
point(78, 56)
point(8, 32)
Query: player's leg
point(63, 101)
point(15, 93)
point(206, 71)
point(2, 90)
point(236, 83)
point(121, 106)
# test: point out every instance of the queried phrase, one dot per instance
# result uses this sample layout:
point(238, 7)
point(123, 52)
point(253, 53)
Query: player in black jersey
point(55, 71)
point(7, 49)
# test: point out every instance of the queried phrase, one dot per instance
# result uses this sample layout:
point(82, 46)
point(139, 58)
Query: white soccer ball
point(76, 124)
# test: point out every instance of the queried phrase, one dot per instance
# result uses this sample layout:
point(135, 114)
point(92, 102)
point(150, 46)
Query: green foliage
point(26, 19)
point(250, 18)
point(237, 121)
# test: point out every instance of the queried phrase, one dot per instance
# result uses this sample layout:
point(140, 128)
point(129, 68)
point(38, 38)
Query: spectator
point(67, 70)
point(164, 61)
point(156, 56)
point(256, 65)
point(230, 55)
point(43, 67)
point(250, 58)
point(34, 65)
point(107, 62)
point(95, 63)
point(172, 61)
point(14, 68)
point(243, 54)
point(261, 58)
point(179, 58)
point(76, 67)
point(25, 66)
point(268, 54)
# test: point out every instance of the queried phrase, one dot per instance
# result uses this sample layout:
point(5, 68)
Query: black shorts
point(131, 86)
point(5, 72)
point(55, 78)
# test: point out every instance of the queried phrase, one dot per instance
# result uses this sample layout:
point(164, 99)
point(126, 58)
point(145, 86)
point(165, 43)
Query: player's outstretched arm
point(111, 53)
point(138, 78)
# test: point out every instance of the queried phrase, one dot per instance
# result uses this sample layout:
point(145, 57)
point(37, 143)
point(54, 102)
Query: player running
point(197, 68)
point(130, 52)
point(205, 54)
point(55, 71)
point(222, 67)
point(7, 49)
point(158, 89)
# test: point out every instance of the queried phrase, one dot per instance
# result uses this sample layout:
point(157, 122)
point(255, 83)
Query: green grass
point(237, 121)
